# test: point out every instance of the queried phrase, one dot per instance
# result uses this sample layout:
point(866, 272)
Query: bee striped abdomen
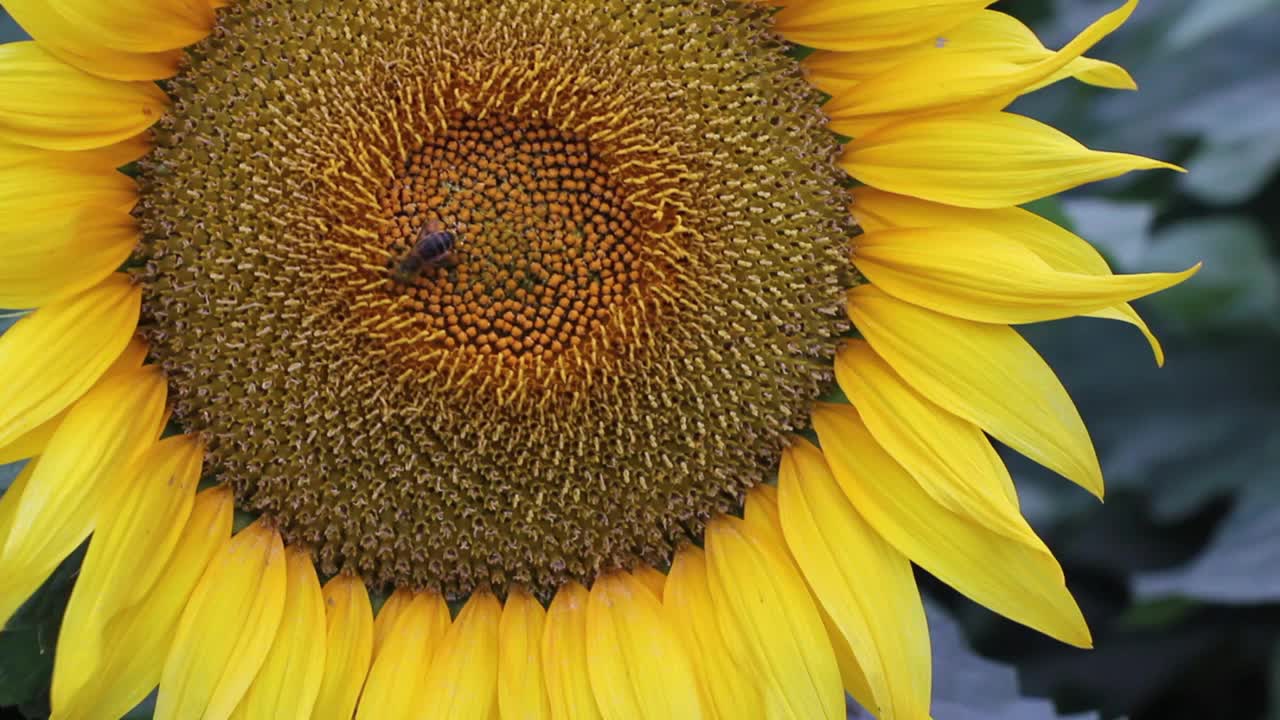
point(433, 247)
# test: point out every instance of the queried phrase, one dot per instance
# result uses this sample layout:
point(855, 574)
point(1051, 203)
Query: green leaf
point(1240, 283)
point(1121, 230)
point(1207, 17)
point(1158, 613)
point(1231, 172)
point(27, 643)
point(1241, 565)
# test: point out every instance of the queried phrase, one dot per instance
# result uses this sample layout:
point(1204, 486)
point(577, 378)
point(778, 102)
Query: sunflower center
point(470, 294)
point(509, 238)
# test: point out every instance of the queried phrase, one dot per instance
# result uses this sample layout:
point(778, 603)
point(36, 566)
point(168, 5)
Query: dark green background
point(1179, 572)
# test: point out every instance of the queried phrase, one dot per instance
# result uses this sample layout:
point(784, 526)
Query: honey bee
point(433, 248)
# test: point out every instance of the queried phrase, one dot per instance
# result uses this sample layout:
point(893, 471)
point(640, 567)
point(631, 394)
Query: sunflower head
point(513, 312)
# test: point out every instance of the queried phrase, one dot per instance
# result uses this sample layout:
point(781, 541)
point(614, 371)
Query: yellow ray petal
point(638, 667)
point(652, 579)
point(227, 628)
point(948, 456)
point(35, 195)
point(990, 34)
point(137, 642)
point(349, 642)
point(139, 26)
point(1013, 579)
point(980, 159)
point(77, 252)
point(78, 46)
point(141, 520)
point(763, 516)
point(1057, 246)
point(97, 160)
point(86, 457)
point(47, 103)
point(51, 357)
point(462, 683)
point(963, 80)
point(871, 24)
point(9, 501)
point(865, 584)
point(762, 600)
point(851, 674)
point(522, 691)
point(727, 691)
point(760, 513)
point(1002, 35)
point(394, 688)
point(564, 656)
point(287, 685)
point(34, 441)
point(986, 374)
point(983, 276)
point(388, 616)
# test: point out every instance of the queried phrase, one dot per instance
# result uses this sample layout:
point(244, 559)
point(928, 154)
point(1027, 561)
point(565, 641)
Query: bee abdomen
point(434, 246)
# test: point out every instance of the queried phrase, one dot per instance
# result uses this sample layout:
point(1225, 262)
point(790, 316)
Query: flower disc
point(633, 293)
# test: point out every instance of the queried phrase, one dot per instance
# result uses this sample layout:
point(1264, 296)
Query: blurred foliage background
point(1179, 571)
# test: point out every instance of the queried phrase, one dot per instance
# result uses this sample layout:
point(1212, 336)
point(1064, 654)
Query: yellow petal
point(141, 519)
point(1002, 35)
point(137, 642)
point(638, 667)
point(140, 26)
point(564, 656)
point(727, 691)
point(949, 456)
point(9, 501)
point(851, 674)
point(1022, 583)
point(762, 515)
point(865, 584)
point(38, 267)
point(983, 276)
point(986, 374)
point(462, 683)
point(1057, 246)
point(871, 24)
point(86, 457)
point(349, 639)
point(388, 616)
point(289, 681)
point(990, 34)
point(227, 628)
point(522, 692)
point(51, 357)
point(47, 103)
point(34, 441)
point(396, 680)
point(652, 578)
point(980, 159)
point(963, 80)
point(762, 600)
point(35, 196)
point(97, 160)
point(78, 45)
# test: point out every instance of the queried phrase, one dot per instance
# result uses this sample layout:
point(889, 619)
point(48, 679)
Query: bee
point(433, 248)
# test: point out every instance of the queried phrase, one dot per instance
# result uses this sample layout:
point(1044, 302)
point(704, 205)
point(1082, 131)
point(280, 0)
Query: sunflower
point(625, 354)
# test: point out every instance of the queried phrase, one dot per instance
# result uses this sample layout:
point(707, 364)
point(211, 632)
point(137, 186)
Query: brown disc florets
point(474, 293)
